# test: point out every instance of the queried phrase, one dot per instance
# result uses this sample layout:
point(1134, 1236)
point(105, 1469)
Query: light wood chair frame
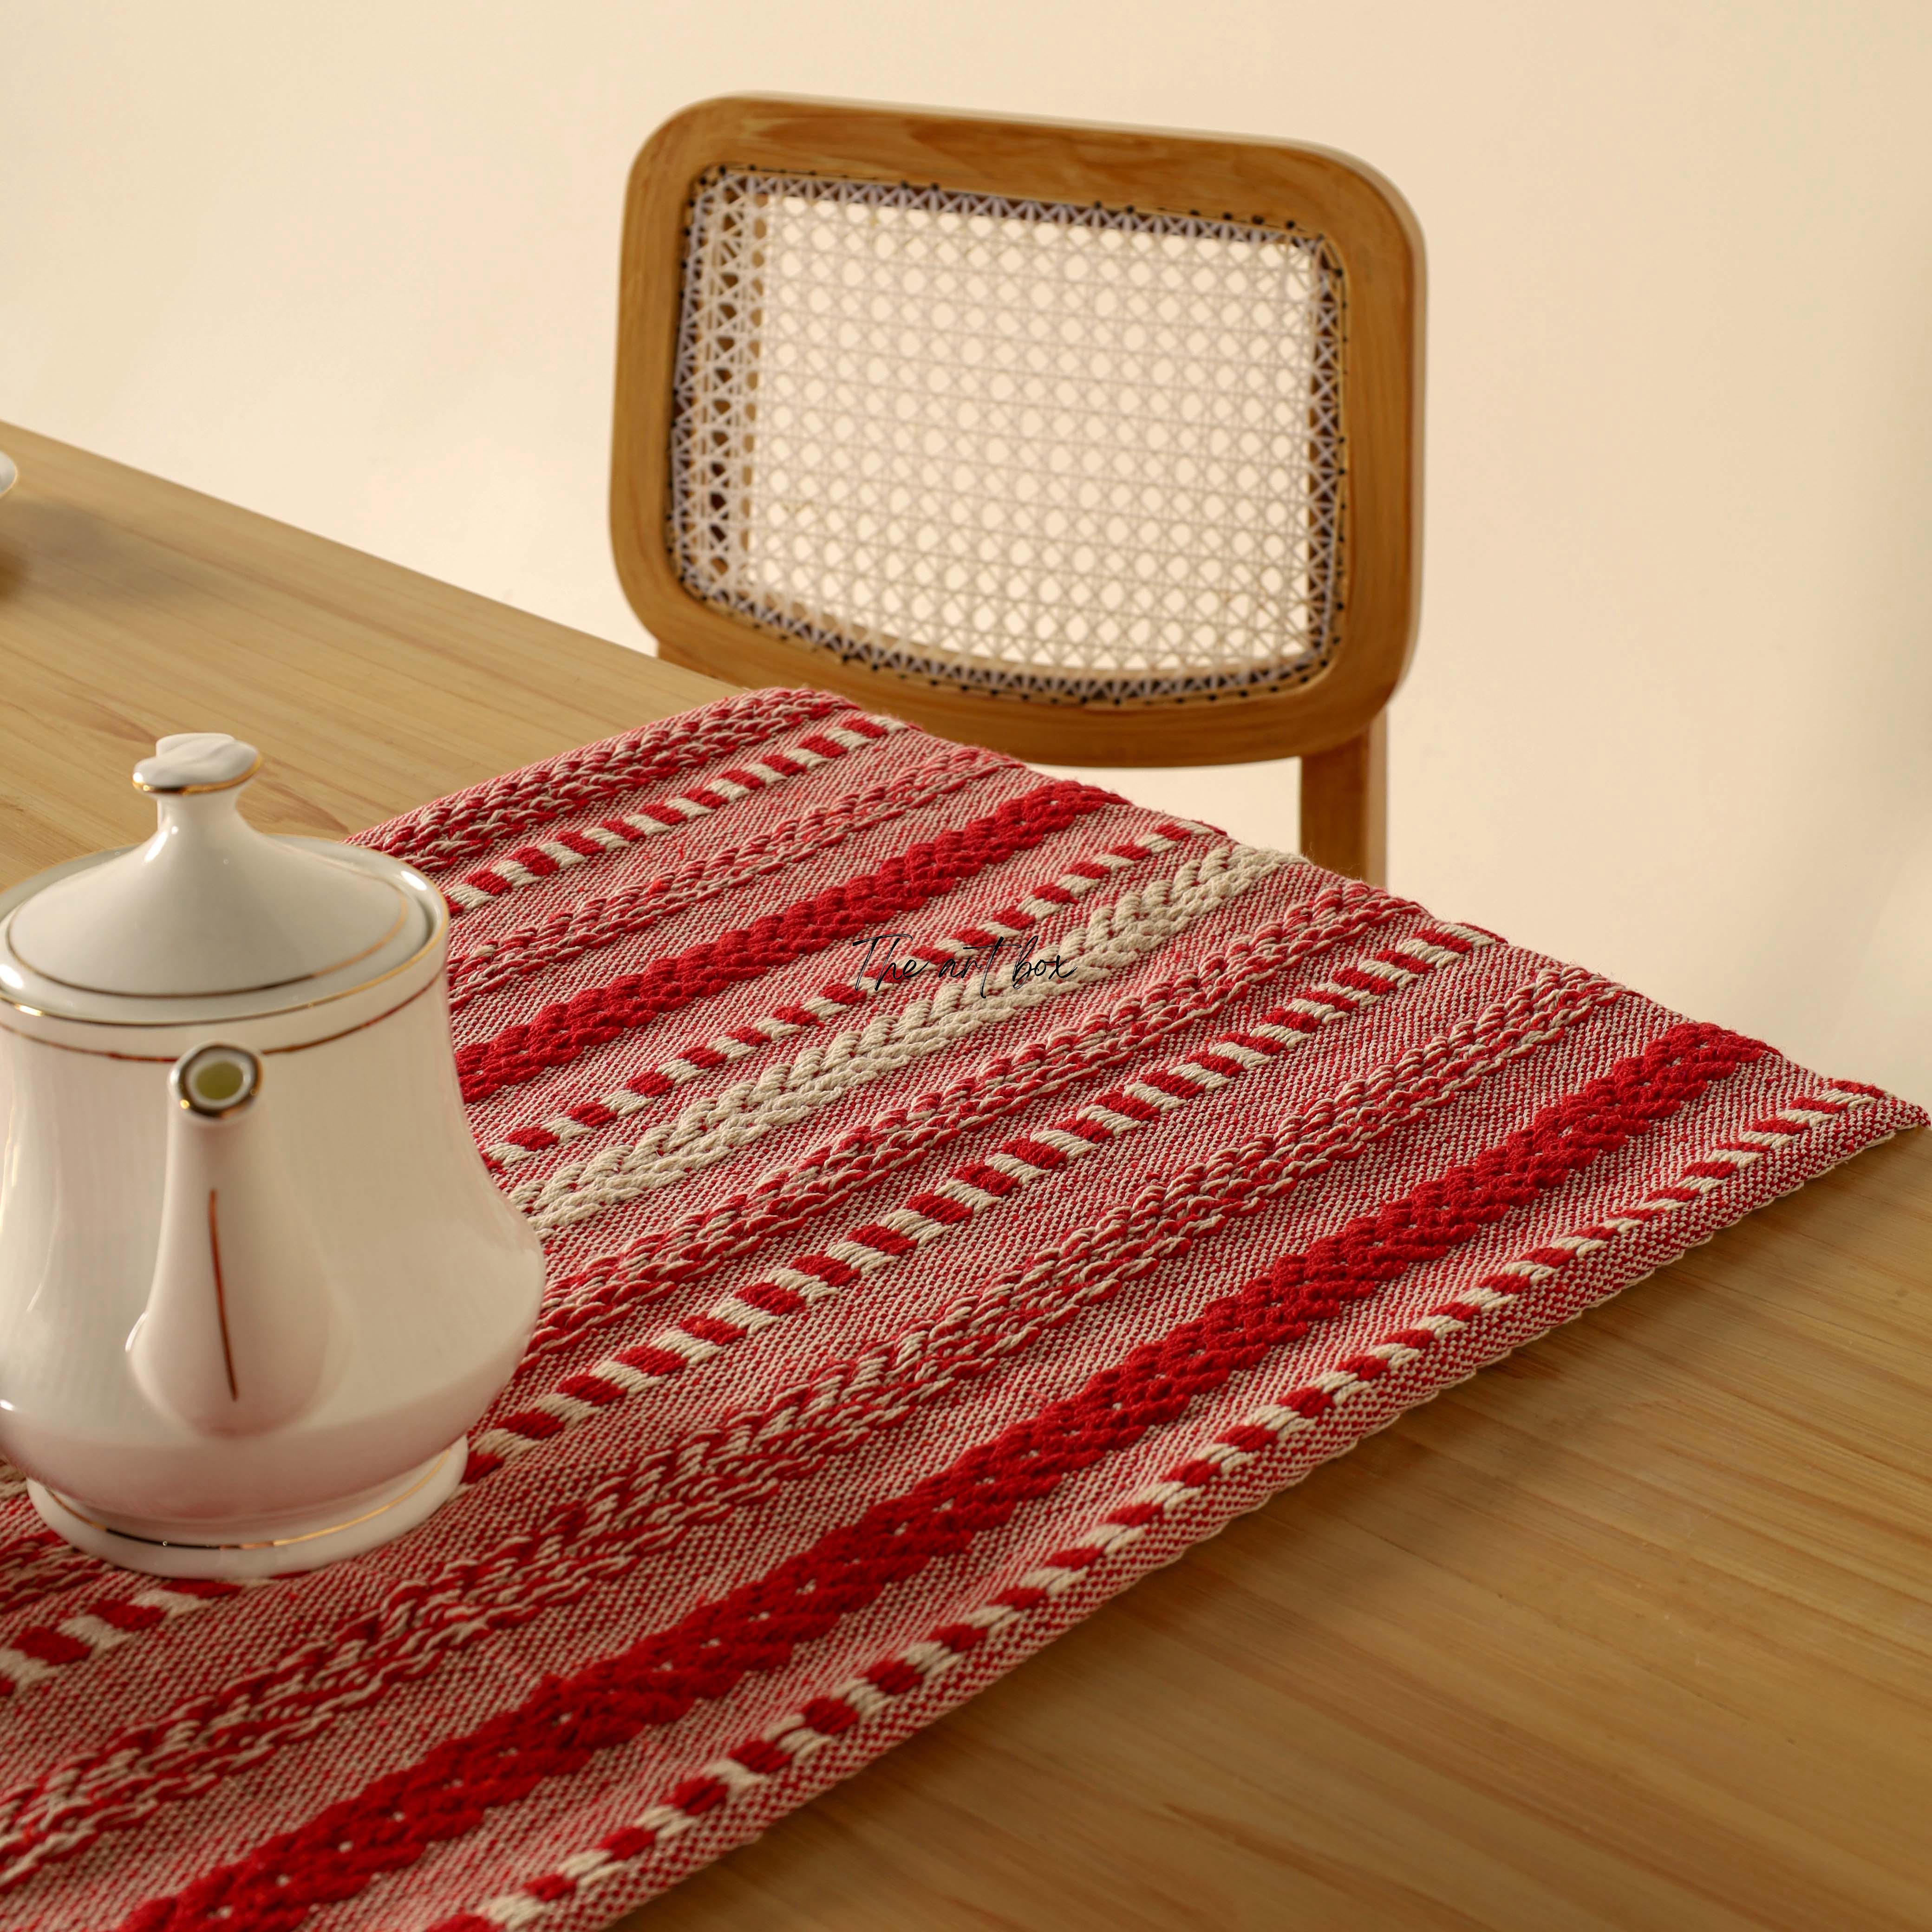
point(1336, 720)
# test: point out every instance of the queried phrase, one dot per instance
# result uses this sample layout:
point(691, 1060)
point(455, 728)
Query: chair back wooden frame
point(1335, 721)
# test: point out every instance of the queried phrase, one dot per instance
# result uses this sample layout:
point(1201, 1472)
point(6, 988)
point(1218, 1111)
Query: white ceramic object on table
point(9, 474)
point(256, 1283)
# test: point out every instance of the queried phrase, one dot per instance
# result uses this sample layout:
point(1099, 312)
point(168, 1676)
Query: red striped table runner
point(963, 1189)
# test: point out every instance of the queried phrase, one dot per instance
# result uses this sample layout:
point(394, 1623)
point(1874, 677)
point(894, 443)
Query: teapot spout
point(235, 1336)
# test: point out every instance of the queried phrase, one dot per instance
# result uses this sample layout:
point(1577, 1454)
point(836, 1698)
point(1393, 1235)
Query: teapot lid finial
point(209, 906)
point(197, 761)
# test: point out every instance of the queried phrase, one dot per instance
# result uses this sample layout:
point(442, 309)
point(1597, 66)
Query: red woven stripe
point(1360, 982)
point(536, 1423)
point(839, 1274)
point(628, 1842)
point(1134, 1109)
point(1162, 1082)
point(646, 1360)
point(773, 1298)
point(710, 1328)
point(48, 1646)
point(1254, 1441)
point(126, 1616)
point(1284, 1017)
point(599, 922)
point(1257, 1042)
point(683, 1253)
point(1180, 1215)
point(1217, 1063)
point(884, 1239)
point(468, 824)
point(988, 1180)
point(590, 1388)
point(830, 1715)
point(1339, 1001)
point(1035, 1154)
point(759, 1626)
point(560, 1034)
point(941, 1208)
point(1175, 1219)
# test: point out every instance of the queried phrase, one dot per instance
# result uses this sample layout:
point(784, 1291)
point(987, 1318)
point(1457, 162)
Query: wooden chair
point(1096, 445)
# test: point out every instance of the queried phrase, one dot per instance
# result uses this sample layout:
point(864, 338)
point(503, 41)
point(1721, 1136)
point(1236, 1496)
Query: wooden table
point(1633, 1630)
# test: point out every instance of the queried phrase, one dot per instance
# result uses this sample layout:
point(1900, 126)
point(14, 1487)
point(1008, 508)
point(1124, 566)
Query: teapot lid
point(209, 906)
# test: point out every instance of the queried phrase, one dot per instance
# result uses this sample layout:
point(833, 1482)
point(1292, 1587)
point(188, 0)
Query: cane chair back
point(1096, 445)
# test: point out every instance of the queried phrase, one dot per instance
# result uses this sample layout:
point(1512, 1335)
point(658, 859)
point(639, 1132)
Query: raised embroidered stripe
point(897, 1539)
point(713, 1128)
point(481, 888)
point(1022, 1159)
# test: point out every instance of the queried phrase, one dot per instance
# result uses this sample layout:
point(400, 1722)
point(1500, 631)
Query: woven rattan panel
point(1065, 452)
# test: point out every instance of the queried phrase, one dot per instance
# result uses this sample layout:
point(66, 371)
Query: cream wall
point(354, 266)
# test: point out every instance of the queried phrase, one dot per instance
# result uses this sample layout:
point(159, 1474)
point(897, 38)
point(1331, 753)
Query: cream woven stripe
point(709, 1128)
point(683, 1338)
point(698, 1057)
point(1189, 992)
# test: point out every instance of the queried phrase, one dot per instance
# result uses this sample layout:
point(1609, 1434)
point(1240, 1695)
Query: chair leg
point(1345, 805)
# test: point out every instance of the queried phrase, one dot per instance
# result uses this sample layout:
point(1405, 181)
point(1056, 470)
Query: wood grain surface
point(1632, 1631)
point(130, 607)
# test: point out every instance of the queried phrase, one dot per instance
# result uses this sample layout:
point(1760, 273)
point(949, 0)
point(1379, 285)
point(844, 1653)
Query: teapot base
point(377, 1516)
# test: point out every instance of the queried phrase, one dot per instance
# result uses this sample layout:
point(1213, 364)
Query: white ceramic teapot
point(255, 1280)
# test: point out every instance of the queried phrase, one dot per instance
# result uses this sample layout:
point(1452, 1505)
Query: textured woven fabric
point(1083, 452)
point(963, 1189)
